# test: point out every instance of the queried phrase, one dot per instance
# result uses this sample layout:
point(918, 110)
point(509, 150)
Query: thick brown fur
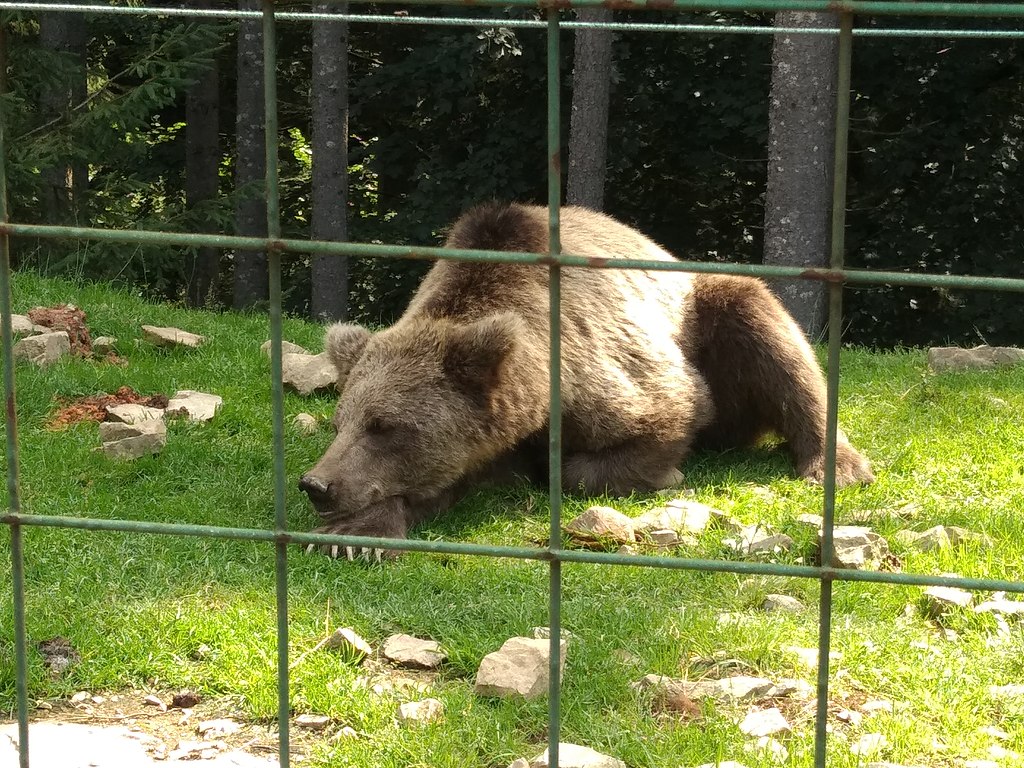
point(652, 364)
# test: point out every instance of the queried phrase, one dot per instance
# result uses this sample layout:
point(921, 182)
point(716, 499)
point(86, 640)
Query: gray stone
point(518, 669)
point(171, 337)
point(679, 515)
point(925, 541)
point(519, 762)
point(312, 722)
point(728, 690)
point(132, 441)
point(195, 406)
point(409, 651)
point(423, 711)
point(43, 349)
point(305, 423)
point(219, 727)
point(765, 722)
point(103, 345)
point(575, 756)
point(981, 358)
point(769, 545)
point(782, 603)
point(21, 325)
point(663, 537)
point(73, 745)
point(133, 413)
point(287, 348)
point(858, 547)
point(308, 374)
point(602, 524)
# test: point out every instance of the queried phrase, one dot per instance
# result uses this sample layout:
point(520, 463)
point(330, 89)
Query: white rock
point(103, 345)
point(21, 325)
point(811, 520)
point(869, 743)
point(219, 727)
point(575, 756)
point(519, 762)
point(423, 711)
point(308, 374)
point(940, 599)
point(519, 668)
point(348, 732)
point(170, 337)
point(771, 747)
point(312, 722)
point(133, 413)
point(43, 349)
point(758, 540)
point(982, 357)
point(876, 705)
point(679, 515)
point(287, 348)
point(1007, 607)
point(602, 523)
point(1012, 691)
point(782, 604)
point(346, 639)
point(765, 722)
point(305, 423)
point(410, 651)
point(195, 406)
point(132, 441)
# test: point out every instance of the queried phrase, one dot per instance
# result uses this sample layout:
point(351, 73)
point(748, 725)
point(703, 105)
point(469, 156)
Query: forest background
point(388, 131)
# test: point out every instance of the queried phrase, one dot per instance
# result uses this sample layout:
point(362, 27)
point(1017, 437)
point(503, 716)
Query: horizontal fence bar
point(488, 22)
point(859, 7)
point(513, 553)
point(372, 250)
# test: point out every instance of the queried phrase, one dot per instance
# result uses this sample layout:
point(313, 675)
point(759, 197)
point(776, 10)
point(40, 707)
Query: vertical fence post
point(835, 323)
point(11, 434)
point(555, 383)
point(277, 388)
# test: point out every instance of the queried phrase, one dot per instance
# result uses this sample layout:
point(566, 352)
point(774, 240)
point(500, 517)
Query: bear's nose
point(314, 487)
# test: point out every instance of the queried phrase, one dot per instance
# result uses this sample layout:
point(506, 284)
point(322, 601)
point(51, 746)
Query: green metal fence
point(835, 277)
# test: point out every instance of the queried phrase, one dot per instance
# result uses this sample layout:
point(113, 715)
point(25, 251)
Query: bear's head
point(418, 411)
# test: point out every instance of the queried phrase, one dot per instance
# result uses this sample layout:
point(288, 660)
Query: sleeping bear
point(654, 364)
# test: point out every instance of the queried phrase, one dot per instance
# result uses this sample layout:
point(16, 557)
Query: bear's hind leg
point(763, 376)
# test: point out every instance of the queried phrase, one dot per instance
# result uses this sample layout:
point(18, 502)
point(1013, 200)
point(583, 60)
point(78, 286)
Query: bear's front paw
point(851, 468)
point(386, 519)
point(336, 551)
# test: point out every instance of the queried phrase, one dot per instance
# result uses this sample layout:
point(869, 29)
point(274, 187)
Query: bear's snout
point(318, 491)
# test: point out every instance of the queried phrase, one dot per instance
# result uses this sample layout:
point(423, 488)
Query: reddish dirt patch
point(94, 407)
point(65, 317)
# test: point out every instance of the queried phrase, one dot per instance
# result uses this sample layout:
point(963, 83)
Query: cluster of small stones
point(132, 431)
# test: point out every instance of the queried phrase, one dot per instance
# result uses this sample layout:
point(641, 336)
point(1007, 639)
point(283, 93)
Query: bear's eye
point(379, 427)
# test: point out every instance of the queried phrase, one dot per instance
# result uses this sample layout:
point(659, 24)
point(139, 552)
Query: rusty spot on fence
point(556, 162)
point(824, 275)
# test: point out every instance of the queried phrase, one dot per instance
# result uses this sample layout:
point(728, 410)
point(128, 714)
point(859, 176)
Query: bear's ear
point(475, 353)
point(344, 344)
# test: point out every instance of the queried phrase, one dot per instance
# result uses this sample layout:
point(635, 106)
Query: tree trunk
point(801, 137)
point(202, 174)
point(588, 122)
point(329, 299)
point(64, 184)
point(251, 282)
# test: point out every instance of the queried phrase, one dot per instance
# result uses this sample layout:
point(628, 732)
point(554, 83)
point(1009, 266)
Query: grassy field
point(947, 449)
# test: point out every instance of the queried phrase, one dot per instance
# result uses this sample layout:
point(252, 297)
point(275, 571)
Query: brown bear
point(653, 364)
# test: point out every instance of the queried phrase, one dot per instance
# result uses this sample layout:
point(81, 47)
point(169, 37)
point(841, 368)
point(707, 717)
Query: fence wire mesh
point(836, 276)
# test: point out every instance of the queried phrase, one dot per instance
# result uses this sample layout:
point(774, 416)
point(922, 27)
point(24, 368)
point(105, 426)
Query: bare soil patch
point(93, 407)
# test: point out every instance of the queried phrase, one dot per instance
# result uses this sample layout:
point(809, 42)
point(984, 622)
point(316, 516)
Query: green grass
point(138, 607)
